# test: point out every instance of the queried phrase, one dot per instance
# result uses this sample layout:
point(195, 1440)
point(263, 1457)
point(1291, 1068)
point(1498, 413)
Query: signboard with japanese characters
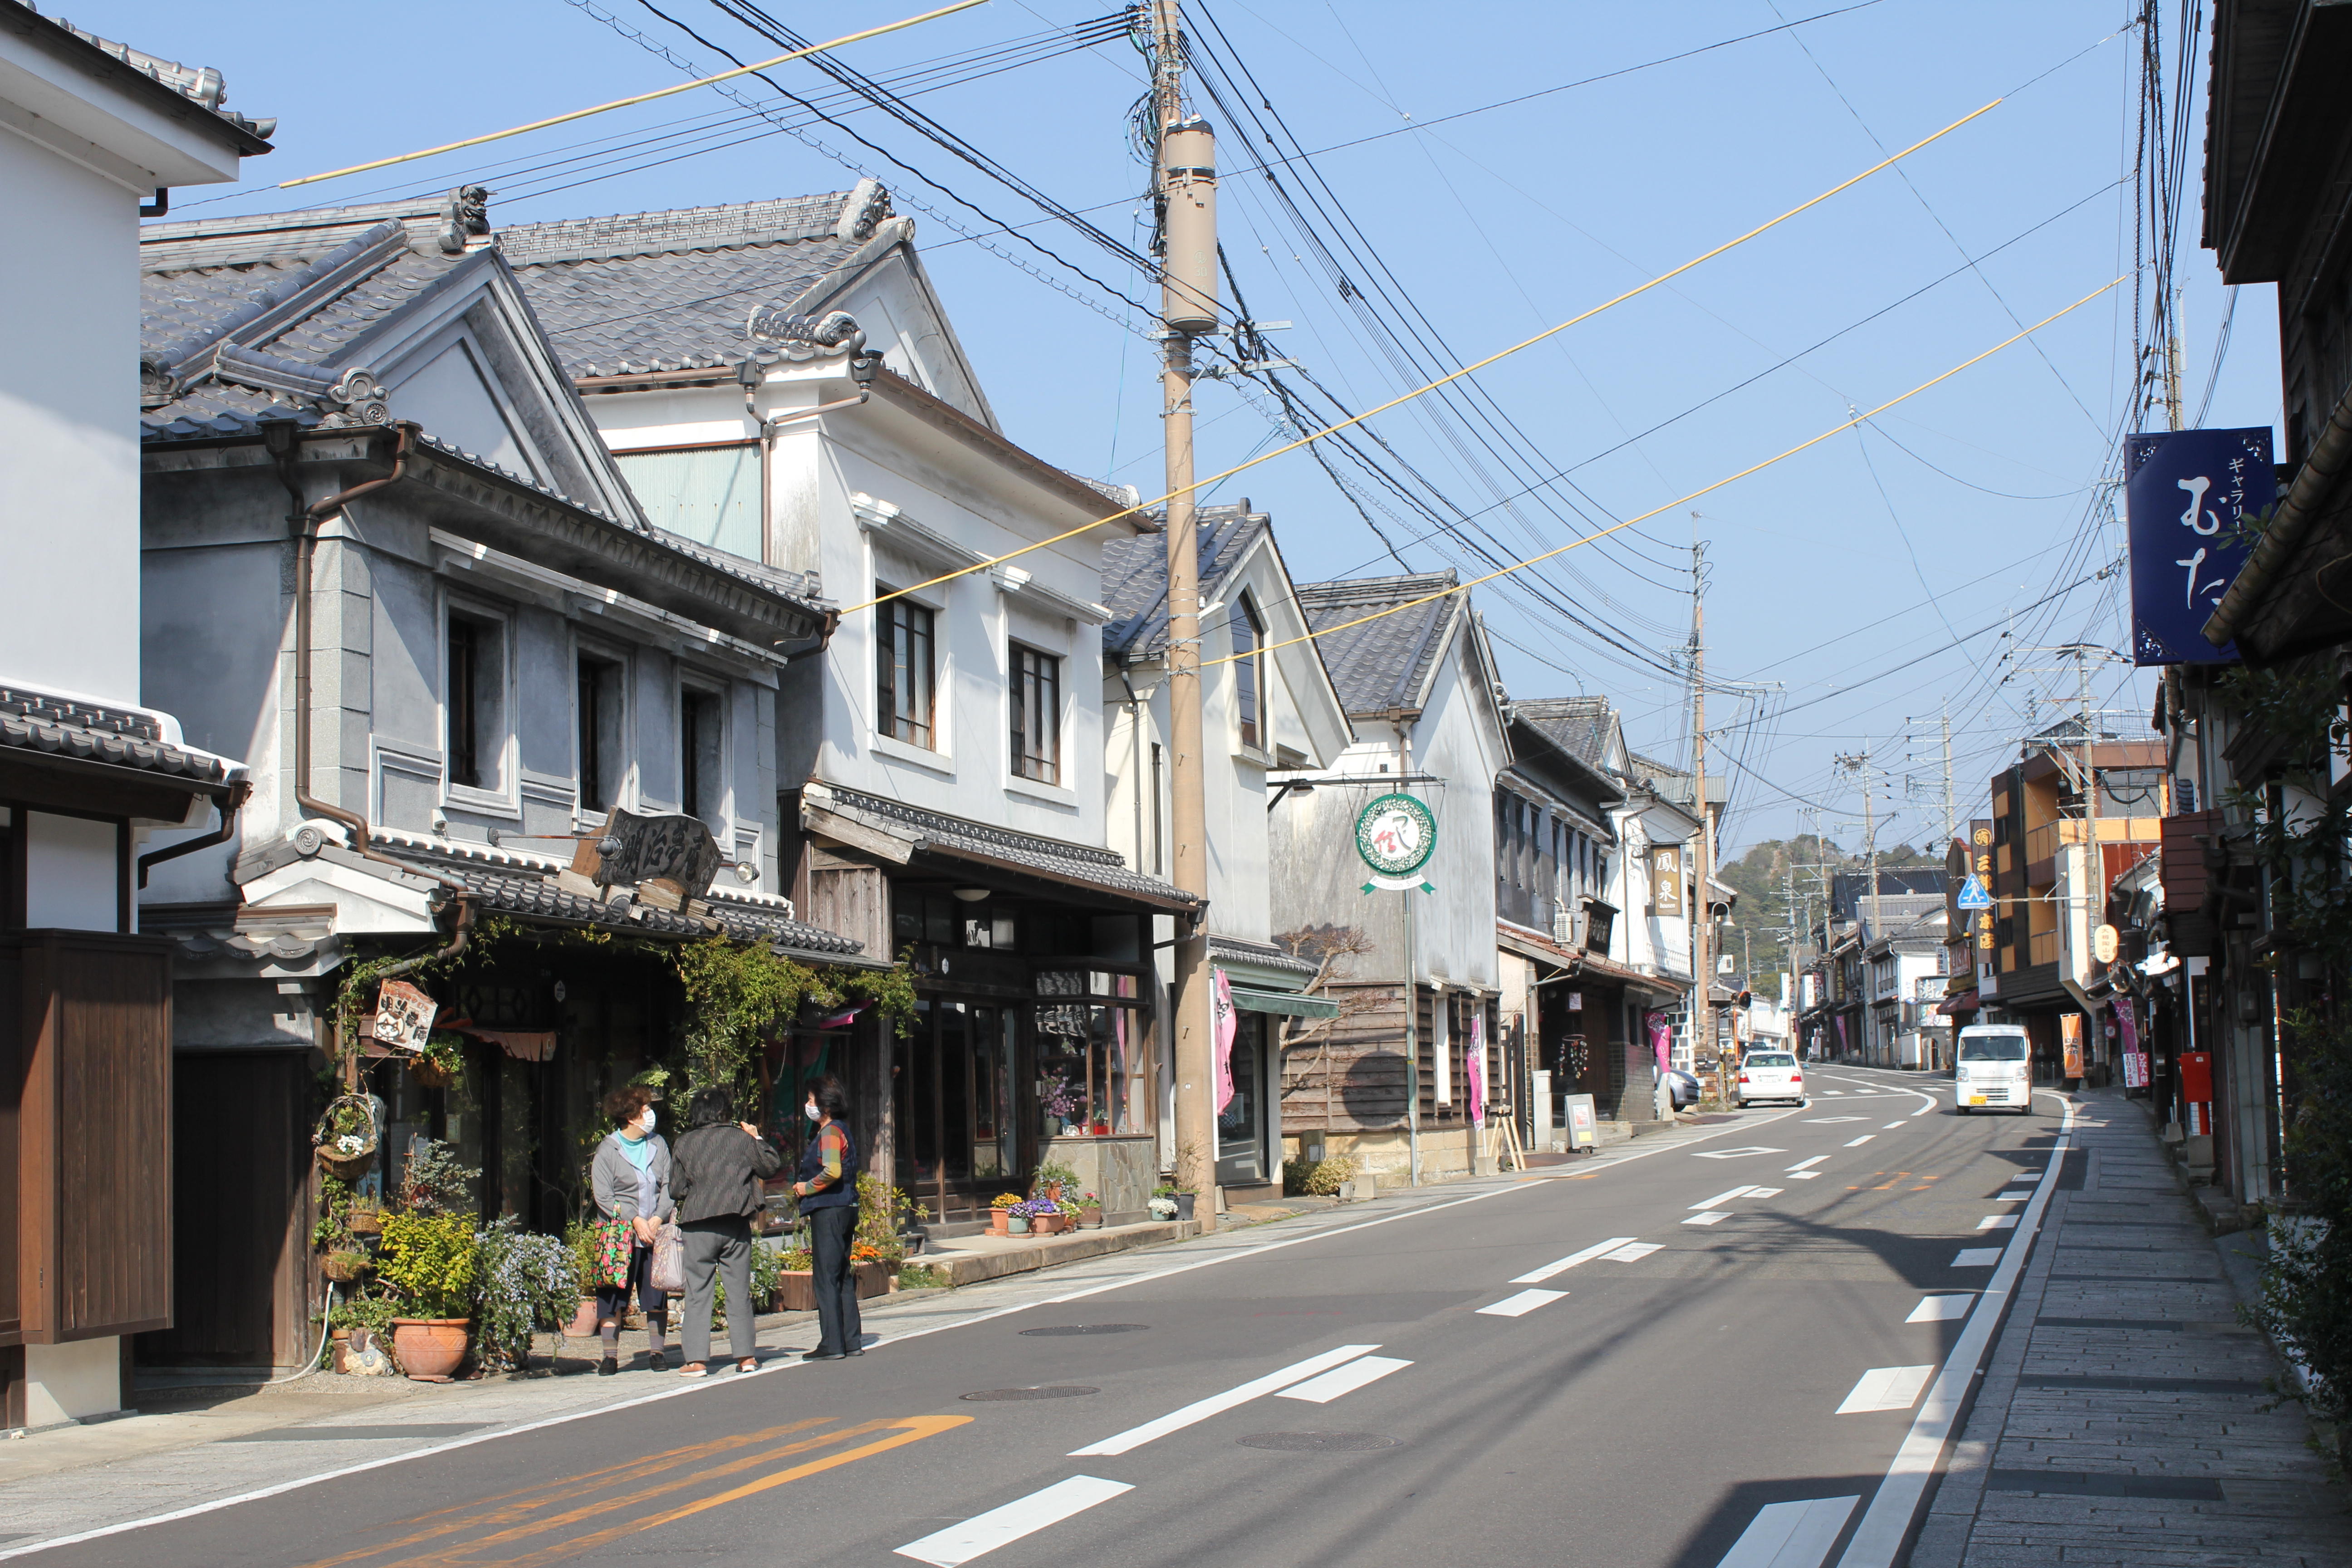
point(403, 1015)
point(2186, 493)
point(1666, 880)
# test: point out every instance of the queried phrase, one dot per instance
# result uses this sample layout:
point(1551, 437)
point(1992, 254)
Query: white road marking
point(1735, 1153)
point(1599, 1248)
point(1940, 1308)
point(1977, 1257)
point(1832, 1092)
point(1765, 1192)
point(1791, 1535)
point(1217, 1403)
point(1712, 1216)
point(1829, 1121)
point(1890, 1127)
point(1342, 1380)
point(2010, 1198)
point(960, 1544)
point(1520, 1305)
point(1632, 1252)
point(1858, 1142)
point(1998, 1222)
point(1886, 1388)
point(1808, 1164)
point(1805, 1175)
point(1719, 1198)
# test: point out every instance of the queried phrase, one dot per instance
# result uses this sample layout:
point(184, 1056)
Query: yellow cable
point(641, 98)
point(1681, 501)
point(1441, 381)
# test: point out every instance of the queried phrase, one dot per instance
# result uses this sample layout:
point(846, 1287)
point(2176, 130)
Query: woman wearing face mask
point(828, 1189)
point(631, 1178)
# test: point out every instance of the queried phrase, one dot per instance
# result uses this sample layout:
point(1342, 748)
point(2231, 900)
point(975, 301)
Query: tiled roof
point(1104, 868)
point(200, 85)
point(1576, 725)
point(1385, 663)
point(1135, 577)
point(670, 290)
point(119, 736)
point(524, 885)
point(1265, 955)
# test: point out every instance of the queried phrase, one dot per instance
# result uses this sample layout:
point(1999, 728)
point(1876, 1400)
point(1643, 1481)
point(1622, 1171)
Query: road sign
point(1973, 895)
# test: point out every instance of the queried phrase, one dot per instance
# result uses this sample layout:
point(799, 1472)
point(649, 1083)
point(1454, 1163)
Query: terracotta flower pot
point(429, 1348)
point(996, 1222)
point(1090, 1220)
point(582, 1325)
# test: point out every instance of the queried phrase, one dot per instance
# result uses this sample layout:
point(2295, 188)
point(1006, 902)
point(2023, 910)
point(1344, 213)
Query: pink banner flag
point(1662, 1037)
point(1474, 1067)
point(1220, 1008)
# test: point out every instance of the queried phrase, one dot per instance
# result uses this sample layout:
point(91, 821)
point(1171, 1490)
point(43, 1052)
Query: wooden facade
point(86, 1125)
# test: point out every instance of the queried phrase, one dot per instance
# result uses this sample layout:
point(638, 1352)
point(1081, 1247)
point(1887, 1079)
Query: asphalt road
point(1591, 1370)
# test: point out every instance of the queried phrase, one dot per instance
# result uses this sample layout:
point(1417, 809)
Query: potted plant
point(528, 1282)
point(346, 1136)
point(1052, 1180)
point(366, 1217)
point(1000, 1211)
point(1016, 1222)
point(1090, 1211)
point(439, 1063)
point(1043, 1215)
point(1162, 1203)
point(580, 1239)
point(345, 1265)
point(430, 1265)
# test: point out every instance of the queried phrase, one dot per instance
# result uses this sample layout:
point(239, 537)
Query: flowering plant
point(1035, 1207)
point(1005, 1201)
point(1064, 1102)
point(1088, 1201)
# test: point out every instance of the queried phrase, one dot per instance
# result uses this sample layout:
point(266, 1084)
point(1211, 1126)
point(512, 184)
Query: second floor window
point(902, 705)
point(700, 774)
point(1036, 715)
point(474, 700)
point(1249, 674)
point(598, 704)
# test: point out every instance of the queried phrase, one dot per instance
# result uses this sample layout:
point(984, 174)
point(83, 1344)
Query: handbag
point(612, 1242)
point(666, 1269)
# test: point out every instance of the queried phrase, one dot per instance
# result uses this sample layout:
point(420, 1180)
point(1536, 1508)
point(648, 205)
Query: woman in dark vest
point(828, 1189)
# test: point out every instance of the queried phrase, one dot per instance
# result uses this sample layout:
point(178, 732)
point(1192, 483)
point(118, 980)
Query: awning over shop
point(1287, 1002)
point(1952, 1006)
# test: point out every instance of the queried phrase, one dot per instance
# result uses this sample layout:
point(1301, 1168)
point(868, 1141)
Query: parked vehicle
point(1683, 1086)
point(1771, 1075)
point(1995, 1070)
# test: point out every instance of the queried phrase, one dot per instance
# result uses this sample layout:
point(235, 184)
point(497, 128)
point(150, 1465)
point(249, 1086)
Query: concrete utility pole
point(1951, 818)
point(1188, 229)
point(1859, 762)
point(1702, 1007)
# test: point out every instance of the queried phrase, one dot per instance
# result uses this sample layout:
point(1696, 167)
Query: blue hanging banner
point(2184, 493)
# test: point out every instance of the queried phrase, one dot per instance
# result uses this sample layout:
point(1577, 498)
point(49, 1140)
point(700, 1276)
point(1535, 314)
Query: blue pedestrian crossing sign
point(1973, 895)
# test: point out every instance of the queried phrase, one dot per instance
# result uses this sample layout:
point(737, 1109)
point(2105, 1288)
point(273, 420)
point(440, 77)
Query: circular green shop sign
point(1395, 834)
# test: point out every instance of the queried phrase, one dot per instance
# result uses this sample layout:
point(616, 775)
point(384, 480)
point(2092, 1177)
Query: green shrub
point(430, 1264)
point(1317, 1178)
point(528, 1282)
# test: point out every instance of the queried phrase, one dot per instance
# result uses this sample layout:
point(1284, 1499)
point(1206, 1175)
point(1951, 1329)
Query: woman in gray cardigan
point(631, 1178)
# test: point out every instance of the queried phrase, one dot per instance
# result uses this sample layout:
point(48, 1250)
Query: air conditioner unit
point(1569, 928)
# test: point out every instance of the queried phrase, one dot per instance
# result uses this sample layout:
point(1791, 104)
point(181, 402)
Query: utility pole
point(1702, 1007)
point(1951, 818)
point(1186, 172)
point(1859, 762)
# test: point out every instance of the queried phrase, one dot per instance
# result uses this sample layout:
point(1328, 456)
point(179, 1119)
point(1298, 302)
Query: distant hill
point(1761, 878)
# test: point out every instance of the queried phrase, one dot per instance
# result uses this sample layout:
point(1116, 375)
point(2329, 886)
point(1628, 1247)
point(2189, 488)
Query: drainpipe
point(228, 805)
point(748, 375)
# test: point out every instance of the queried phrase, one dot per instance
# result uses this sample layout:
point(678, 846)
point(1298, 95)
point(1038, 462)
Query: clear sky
point(1950, 519)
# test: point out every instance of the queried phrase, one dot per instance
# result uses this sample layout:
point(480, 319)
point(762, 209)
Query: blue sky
point(1952, 513)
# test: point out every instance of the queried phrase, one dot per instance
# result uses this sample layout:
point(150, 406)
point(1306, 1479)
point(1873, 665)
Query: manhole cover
point(1061, 1329)
point(1319, 1442)
point(1069, 1392)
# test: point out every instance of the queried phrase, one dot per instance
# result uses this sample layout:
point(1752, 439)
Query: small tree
point(1333, 950)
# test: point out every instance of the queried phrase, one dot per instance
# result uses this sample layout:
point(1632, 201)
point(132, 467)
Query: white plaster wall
point(71, 874)
point(1456, 739)
point(68, 1381)
point(68, 431)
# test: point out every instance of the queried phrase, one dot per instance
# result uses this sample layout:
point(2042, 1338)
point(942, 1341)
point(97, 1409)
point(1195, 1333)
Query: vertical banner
point(2135, 1058)
point(2070, 1035)
point(1662, 1037)
point(1475, 1066)
point(1666, 880)
point(2185, 494)
point(1221, 1009)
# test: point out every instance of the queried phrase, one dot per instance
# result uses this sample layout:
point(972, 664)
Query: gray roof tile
point(119, 736)
point(1135, 577)
point(1105, 868)
point(1576, 725)
point(1383, 663)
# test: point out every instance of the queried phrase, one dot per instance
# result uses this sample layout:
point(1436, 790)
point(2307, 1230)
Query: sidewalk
point(2125, 1418)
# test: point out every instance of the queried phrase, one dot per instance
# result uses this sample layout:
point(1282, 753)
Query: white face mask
point(812, 1112)
point(646, 1125)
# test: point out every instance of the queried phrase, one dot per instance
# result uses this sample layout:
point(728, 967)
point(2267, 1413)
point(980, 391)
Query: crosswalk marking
point(960, 1544)
point(1886, 1388)
point(1998, 1222)
point(1977, 1257)
point(1217, 1403)
point(1598, 1249)
point(1520, 1305)
point(1791, 1535)
point(1940, 1308)
point(1342, 1380)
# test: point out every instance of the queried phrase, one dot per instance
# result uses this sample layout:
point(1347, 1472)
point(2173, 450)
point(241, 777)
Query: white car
point(1771, 1075)
point(1995, 1071)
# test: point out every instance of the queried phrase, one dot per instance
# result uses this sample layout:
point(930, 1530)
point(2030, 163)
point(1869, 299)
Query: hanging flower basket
point(428, 1074)
point(348, 1134)
point(343, 1267)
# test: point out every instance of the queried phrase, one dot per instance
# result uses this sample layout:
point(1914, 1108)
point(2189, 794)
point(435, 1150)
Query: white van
point(1995, 1070)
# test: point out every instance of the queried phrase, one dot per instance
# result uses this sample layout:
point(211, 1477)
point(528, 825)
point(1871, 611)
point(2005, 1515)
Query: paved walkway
point(2125, 1416)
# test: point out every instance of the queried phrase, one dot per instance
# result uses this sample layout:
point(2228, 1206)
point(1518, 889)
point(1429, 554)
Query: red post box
point(2197, 1077)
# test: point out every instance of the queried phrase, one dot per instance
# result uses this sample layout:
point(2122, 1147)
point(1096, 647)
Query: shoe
point(694, 1369)
point(859, 1351)
point(821, 1354)
point(608, 1367)
point(748, 1365)
point(658, 1361)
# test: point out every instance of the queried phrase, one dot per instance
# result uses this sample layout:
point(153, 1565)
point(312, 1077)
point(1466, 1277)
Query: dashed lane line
point(1791, 1535)
point(960, 1544)
point(1217, 1403)
point(1520, 1305)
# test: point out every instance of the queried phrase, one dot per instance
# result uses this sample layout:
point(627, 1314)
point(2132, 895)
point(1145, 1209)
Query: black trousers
point(830, 1231)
